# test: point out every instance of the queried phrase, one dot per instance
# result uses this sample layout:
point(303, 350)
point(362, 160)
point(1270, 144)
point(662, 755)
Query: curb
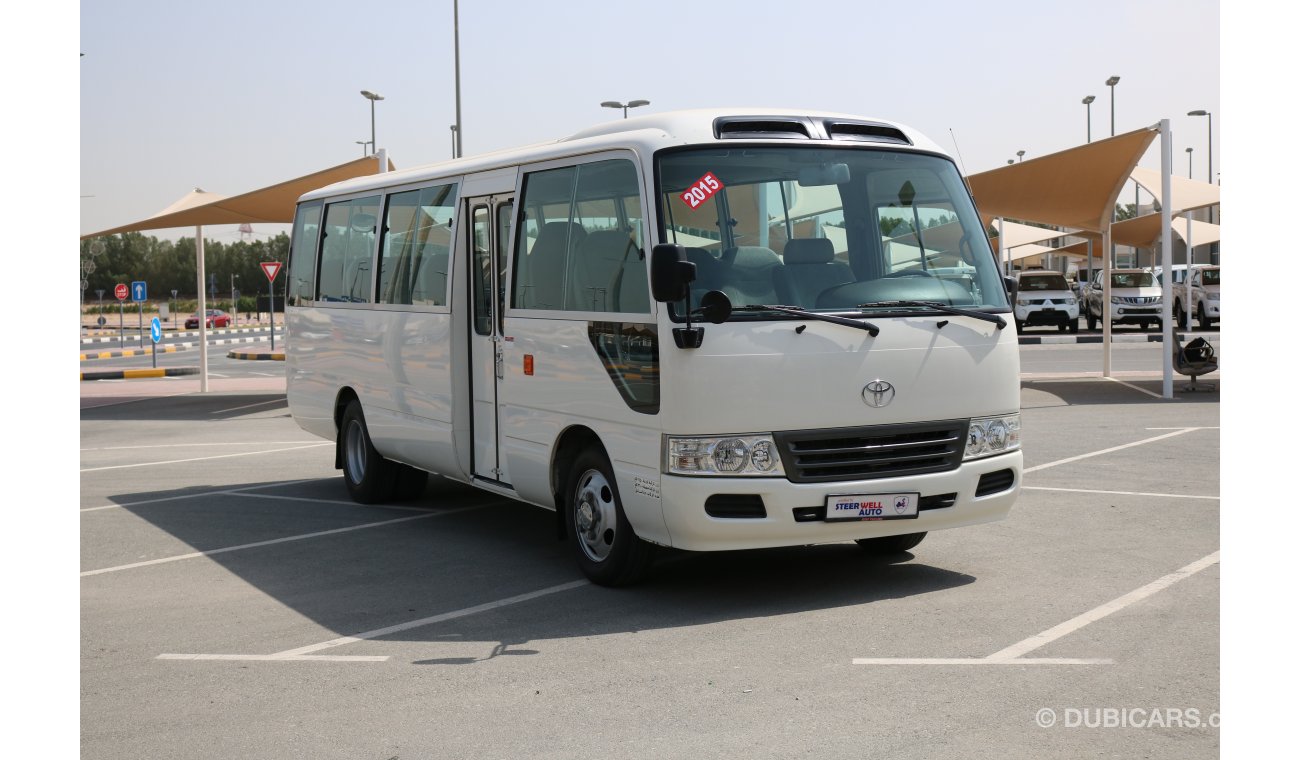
point(277, 356)
point(130, 374)
point(1037, 340)
point(132, 352)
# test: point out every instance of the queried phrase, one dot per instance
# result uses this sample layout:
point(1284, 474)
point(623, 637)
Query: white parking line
point(1139, 390)
point(221, 492)
point(309, 652)
point(286, 539)
point(280, 400)
point(1097, 613)
point(1119, 493)
point(1015, 654)
point(1067, 460)
point(204, 459)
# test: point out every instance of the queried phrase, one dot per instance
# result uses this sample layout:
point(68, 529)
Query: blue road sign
point(155, 330)
point(139, 291)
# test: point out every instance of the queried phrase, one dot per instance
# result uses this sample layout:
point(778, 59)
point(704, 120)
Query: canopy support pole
point(1106, 245)
point(1002, 248)
point(1167, 255)
point(1187, 305)
point(203, 311)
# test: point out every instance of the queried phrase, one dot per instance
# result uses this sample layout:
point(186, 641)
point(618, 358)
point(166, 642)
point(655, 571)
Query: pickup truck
point(1135, 298)
point(1205, 295)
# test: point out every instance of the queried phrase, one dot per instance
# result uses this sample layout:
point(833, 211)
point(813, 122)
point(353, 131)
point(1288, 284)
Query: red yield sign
point(271, 268)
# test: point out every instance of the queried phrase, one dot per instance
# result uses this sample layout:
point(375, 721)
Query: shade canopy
point(1075, 188)
point(1018, 235)
point(273, 204)
point(1187, 194)
point(1144, 231)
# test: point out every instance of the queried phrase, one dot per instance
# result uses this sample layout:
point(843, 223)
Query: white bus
point(707, 330)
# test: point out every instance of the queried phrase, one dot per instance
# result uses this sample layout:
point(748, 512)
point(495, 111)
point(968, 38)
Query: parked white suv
point(1134, 299)
point(1205, 295)
point(1045, 298)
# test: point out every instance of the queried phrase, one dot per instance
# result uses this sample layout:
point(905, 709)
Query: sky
point(238, 95)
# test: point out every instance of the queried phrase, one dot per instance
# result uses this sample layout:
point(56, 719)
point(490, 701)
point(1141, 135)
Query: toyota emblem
point(877, 393)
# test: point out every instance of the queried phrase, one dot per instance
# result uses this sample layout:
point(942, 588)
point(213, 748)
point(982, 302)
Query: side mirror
point(1011, 284)
point(671, 274)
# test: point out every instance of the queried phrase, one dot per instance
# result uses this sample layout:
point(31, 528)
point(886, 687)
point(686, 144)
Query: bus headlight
point(752, 455)
point(992, 435)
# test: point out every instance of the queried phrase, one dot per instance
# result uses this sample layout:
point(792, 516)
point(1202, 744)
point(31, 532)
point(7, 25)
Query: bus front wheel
point(608, 551)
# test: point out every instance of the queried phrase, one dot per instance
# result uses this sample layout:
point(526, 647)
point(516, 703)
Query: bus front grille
point(866, 453)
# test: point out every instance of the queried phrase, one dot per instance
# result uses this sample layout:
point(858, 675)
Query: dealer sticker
point(891, 506)
point(704, 188)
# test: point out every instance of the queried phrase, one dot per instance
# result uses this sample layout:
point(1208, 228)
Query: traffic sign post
point(121, 292)
point(155, 334)
point(139, 292)
point(271, 269)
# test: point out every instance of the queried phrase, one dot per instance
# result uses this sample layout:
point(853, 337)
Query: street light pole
point(453, 140)
point(1189, 163)
point(372, 97)
point(1088, 102)
point(363, 144)
point(455, 25)
point(1111, 83)
point(1209, 145)
point(624, 106)
point(1021, 155)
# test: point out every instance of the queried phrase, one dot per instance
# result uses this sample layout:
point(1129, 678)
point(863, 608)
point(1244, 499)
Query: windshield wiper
point(946, 309)
point(798, 312)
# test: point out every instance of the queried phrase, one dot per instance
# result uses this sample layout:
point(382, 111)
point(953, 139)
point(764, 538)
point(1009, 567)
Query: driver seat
point(810, 268)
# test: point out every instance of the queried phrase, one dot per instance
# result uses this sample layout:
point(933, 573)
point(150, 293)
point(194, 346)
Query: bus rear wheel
point(891, 544)
point(608, 551)
point(369, 477)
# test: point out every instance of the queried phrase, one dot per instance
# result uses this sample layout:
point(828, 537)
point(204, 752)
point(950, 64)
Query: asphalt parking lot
point(235, 603)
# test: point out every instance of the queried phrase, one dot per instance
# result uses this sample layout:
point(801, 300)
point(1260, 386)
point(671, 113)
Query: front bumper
point(691, 528)
point(1038, 315)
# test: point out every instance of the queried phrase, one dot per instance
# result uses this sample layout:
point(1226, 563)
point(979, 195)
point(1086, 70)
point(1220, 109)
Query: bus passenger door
point(489, 235)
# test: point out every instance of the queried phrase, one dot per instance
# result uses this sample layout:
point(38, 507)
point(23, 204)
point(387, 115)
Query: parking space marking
point(1067, 460)
point(1119, 493)
point(178, 497)
point(204, 459)
point(340, 502)
point(1015, 654)
point(280, 400)
point(309, 652)
point(257, 544)
point(186, 444)
point(1097, 613)
point(1139, 390)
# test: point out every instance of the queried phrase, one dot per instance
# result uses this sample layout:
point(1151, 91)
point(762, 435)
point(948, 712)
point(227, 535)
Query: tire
point(1062, 327)
point(1180, 316)
point(608, 551)
point(891, 544)
point(1074, 326)
point(369, 477)
point(1201, 319)
point(1020, 326)
point(1092, 321)
point(1144, 326)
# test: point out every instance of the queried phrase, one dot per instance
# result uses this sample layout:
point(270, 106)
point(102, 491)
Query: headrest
point(809, 251)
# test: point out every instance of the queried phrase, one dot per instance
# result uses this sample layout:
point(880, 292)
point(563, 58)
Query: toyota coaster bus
point(708, 330)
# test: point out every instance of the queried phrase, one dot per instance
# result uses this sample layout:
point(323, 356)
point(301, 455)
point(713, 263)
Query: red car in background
point(216, 318)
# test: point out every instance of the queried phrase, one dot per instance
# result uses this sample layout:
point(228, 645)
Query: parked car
point(1205, 295)
point(1045, 298)
point(1134, 299)
point(216, 318)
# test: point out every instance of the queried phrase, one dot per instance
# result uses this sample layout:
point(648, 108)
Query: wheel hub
point(595, 515)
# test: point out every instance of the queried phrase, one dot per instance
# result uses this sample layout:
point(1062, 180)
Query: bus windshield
point(827, 229)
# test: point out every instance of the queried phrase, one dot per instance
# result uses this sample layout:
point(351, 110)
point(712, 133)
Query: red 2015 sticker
point(704, 188)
